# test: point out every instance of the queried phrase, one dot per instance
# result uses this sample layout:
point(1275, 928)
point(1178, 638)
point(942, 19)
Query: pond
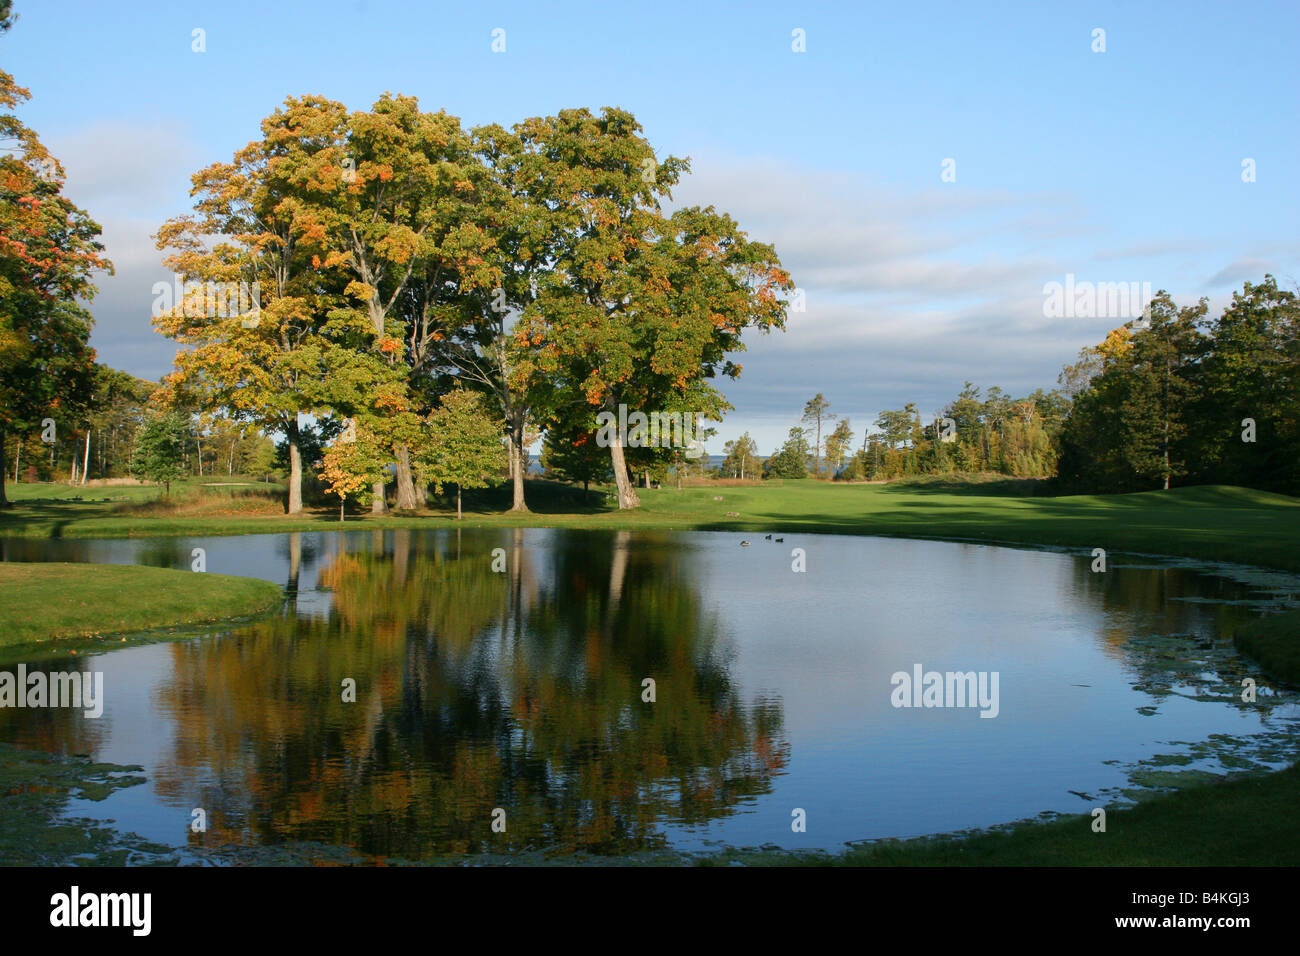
point(448, 693)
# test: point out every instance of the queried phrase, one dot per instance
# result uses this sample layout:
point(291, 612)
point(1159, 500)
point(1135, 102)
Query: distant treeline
point(1173, 398)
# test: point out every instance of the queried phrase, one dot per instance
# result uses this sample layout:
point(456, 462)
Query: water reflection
point(506, 669)
point(475, 690)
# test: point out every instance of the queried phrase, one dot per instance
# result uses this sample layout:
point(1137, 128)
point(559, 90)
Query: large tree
point(393, 195)
point(814, 410)
point(636, 308)
point(302, 347)
point(1250, 369)
point(49, 251)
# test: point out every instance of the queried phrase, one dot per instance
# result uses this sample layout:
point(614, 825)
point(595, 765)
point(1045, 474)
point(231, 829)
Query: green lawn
point(61, 602)
point(1274, 641)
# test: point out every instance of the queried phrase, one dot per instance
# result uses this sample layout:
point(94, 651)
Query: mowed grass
point(1215, 523)
point(56, 601)
point(1274, 642)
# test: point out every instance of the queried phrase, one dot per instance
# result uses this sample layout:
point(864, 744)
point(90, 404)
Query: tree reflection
point(475, 689)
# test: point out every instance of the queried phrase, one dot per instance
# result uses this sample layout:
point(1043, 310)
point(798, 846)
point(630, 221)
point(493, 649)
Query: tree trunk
point(378, 505)
point(4, 502)
point(627, 497)
point(458, 502)
point(295, 466)
point(518, 463)
point(85, 460)
point(1166, 443)
point(405, 483)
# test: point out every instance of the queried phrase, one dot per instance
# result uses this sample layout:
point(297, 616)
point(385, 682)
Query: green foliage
point(792, 460)
point(572, 454)
point(160, 449)
point(464, 446)
point(742, 458)
point(1167, 401)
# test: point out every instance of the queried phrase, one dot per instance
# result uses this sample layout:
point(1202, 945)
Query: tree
point(160, 449)
point(503, 226)
point(570, 453)
point(1159, 389)
point(296, 347)
point(1127, 428)
point(464, 445)
point(1250, 369)
point(393, 194)
point(813, 411)
point(791, 461)
point(49, 250)
point(897, 425)
point(352, 463)
point(837, 445)
point(740, 456)
point(634, 308)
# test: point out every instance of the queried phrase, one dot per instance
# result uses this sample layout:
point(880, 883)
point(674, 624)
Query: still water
point(504, 675)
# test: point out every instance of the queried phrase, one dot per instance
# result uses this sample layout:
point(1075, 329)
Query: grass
point(1273, 641)
point(62, 602)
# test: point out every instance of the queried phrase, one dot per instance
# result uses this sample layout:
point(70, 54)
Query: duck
point(779, 540)
point(767, 537)
point(744, 544)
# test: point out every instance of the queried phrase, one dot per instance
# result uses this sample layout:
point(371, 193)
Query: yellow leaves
point(360, 290)
point(1118, 341)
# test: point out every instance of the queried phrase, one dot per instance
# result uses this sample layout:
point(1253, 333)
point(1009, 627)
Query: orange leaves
point(389, 346)
point(389, 403)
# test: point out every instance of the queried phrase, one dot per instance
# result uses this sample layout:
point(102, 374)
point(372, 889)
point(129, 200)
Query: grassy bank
point(53, 602)
point(1214, 523)
point(1273, 641)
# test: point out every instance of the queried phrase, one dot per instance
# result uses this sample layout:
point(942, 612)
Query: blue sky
point(1117, 166)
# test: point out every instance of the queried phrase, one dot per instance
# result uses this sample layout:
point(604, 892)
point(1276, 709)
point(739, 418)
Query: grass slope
point(45, 602)
point(1274, 641)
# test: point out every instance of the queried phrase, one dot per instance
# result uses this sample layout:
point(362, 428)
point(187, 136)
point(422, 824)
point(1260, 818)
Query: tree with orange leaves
point(637, 308)
point(49, 251)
